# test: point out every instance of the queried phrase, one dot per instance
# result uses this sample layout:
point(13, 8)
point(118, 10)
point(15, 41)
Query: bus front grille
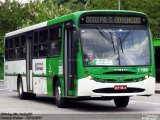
point(118, 81)
point(111, 90)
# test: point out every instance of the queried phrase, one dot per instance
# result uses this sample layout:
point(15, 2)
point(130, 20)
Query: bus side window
point(35, 45)
point(55, 41)
point(6, 49)
point(23, 47)
point(11, 54)
point(43, 43)
point(17, 49)
point(11, 51)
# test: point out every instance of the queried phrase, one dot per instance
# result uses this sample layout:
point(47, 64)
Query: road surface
point(139, 107)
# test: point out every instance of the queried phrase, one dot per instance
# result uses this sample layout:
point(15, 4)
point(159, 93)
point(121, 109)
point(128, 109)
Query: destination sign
point(102, 19)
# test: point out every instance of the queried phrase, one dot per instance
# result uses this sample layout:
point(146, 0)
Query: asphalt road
point(139, 108)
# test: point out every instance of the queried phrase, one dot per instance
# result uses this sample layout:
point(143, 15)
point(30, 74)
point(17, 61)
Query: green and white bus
point(87, 55)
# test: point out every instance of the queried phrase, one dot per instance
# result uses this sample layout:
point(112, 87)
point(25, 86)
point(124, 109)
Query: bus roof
point(65, 18)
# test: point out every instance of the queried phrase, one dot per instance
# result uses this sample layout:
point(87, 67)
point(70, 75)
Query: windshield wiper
point(109, 39)
point(112, 41)
point(120, 41)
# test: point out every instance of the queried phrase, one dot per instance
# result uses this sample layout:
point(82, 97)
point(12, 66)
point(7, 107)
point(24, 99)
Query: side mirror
point(69, 25)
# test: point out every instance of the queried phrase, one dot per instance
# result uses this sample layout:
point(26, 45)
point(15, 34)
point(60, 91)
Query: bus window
point(23, 40)
point(6, 44)
point(22, 49)
point(55, 41)
point(35, 46)
point(43, 36)
point(11, 43)
point(17, 42)
point(6, 49)
point(43, 43)
point(11, 54)
point(6, 54)
point(43, 48)
point(22, 52)
point(36, 38)
point(35, 51)
point(17, 49)
point(17, 53)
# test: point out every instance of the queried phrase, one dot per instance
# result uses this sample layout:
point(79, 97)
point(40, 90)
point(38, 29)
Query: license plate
point(120, 87)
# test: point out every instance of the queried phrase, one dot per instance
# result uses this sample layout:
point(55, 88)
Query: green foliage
point(103, 5)
point(40, 12)
point(12, 15)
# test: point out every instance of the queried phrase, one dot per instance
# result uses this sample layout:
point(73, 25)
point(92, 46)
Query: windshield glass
point(115, 46)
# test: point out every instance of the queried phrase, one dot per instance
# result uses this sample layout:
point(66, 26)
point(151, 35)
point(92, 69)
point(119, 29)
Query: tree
point(40, 12)
point(12, 17)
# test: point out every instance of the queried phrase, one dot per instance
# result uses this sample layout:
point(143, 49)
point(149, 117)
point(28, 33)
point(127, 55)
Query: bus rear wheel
point(21, 93)
point(121, 102)
point(60, 101)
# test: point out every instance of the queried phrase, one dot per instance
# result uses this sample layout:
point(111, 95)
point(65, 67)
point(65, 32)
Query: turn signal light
point(146, 76)
point(89, 77)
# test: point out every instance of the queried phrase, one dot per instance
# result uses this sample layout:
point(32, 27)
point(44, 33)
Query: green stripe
point(41, 75)
point(34, 75)
point(14, 74)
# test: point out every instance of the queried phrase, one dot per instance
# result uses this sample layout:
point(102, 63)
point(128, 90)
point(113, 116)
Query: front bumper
point(86, 87)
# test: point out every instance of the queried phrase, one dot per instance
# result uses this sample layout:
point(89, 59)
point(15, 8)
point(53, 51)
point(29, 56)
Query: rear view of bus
point(118, 57)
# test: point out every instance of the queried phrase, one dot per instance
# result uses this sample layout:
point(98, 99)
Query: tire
point(121, 102)
point(21, 93)
point(60, 102)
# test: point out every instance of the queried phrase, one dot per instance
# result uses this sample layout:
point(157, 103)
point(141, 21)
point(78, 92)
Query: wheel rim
point(58, 93)
point(20, 89)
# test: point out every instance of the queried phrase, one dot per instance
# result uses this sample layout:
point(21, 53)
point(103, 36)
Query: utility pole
point(87, 1)
point(119, 4)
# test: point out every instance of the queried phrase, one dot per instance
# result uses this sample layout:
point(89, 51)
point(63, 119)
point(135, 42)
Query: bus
point(1, 69)
point(86, 55)
point(156, 43)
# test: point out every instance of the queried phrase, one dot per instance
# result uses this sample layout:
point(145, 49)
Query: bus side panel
point(12, 70)
point(52, 66)
point(39, 76)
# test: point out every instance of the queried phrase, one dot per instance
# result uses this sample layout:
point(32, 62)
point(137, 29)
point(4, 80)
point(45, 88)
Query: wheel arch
point(18, 80)
point(55, 79)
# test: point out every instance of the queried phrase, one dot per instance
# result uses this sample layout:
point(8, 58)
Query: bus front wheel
point(60, 101)
point(121, 102)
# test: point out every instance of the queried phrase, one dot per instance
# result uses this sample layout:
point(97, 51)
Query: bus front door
point(70, 64)
point(29, 62)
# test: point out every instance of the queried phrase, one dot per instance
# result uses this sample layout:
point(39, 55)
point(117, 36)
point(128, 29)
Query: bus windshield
point(127, 46)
